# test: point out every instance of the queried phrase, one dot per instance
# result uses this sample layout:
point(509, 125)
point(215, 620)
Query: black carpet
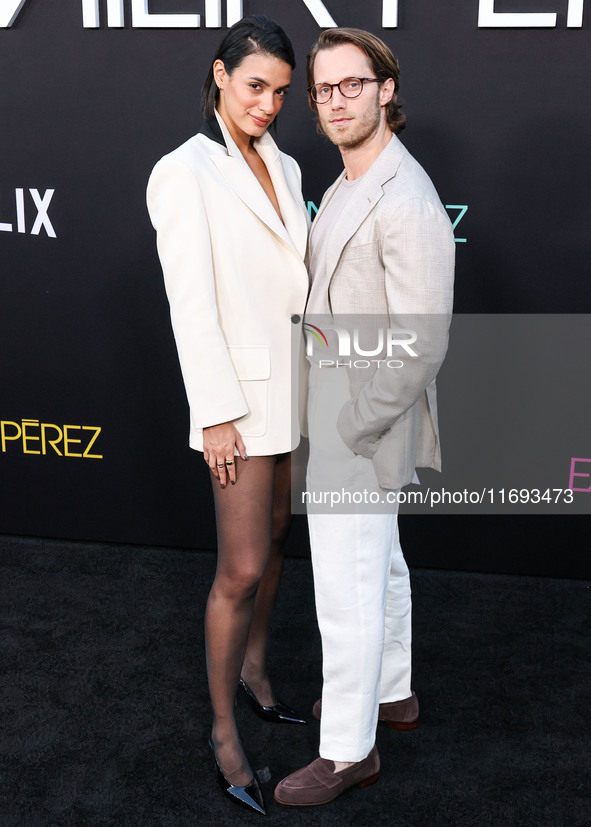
point(104, 716)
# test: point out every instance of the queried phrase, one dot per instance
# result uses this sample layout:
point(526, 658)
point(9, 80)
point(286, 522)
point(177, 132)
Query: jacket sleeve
point(417, 252)
point(177, 211)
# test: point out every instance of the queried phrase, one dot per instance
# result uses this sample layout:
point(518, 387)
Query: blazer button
point(296, 319)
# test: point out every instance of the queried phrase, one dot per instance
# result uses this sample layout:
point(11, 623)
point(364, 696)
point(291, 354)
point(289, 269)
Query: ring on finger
point(221, 464)
point(229, 462)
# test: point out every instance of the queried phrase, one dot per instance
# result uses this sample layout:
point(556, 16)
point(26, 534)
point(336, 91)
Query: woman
point(232, 227)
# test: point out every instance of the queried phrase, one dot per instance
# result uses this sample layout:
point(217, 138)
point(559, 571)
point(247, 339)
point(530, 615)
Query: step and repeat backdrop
point(93, 416)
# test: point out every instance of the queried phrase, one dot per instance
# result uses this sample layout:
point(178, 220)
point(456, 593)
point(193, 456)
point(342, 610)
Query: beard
point(362, 129)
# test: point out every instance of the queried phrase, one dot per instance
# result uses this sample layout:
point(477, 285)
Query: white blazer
point(236, 282)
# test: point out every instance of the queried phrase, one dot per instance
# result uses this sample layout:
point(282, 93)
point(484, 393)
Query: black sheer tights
point(252, 520)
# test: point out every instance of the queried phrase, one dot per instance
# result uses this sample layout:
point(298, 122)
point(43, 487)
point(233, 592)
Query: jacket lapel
point(244, 182)
point(362, 201)
point(288, 191)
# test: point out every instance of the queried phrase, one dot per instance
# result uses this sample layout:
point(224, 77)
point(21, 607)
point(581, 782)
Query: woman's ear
point(219, 73)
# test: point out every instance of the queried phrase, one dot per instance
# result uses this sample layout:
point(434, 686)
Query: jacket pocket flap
point(251, 363)
point(358, 251)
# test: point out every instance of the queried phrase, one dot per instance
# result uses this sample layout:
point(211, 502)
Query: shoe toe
point(311, 786)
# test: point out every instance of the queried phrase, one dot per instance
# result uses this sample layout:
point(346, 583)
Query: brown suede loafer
point(319, 784)
point(396, 715)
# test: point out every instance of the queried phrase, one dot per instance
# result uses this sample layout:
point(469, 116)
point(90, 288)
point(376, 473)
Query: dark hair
point(380, 56)
point(254, 34)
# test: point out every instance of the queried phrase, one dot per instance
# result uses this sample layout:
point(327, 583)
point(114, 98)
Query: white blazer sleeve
point(177, 211)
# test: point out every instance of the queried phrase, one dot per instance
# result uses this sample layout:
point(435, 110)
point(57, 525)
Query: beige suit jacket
point(235, 277)
point(392, 254)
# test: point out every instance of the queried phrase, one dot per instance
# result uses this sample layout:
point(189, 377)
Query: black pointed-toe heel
point(277, 714)
point(249, 796)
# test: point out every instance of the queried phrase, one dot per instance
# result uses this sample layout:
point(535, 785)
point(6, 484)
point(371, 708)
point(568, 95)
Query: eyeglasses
point(348, 87)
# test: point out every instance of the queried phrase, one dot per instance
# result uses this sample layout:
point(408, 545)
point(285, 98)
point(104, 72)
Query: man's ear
point(386, 91)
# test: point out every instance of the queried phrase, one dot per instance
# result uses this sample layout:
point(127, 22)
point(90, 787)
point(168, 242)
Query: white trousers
point(361, 584)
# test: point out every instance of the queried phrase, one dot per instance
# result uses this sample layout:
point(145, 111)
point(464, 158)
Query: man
point(381, 246)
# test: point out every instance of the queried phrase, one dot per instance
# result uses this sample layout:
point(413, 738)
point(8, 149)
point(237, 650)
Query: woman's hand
point(218, 451)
